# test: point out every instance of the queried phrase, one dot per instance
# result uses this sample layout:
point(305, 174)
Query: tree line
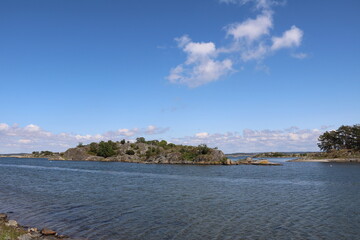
point(345, 137)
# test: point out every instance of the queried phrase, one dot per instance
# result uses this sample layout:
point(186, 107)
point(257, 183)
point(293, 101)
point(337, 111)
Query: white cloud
point(32, 128)
point(290, 38)
point(259, 4)
point(183, 41)
point(32, 137)
point(151, 130)
point(202, 135)
point(250, 39)
point(4, 127)
point(199, 51)
point(126, 132)
point(251, 29)
point(201, 66)
point(292, 139)
point(299, 55)
point(256, 53)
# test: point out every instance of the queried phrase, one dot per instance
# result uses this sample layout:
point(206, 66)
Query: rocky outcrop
point(80, 154)
point(150, 153)
point(13, 231)
point(250, 161)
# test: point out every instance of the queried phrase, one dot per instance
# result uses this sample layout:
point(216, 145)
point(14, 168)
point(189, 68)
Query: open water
point(111, 201)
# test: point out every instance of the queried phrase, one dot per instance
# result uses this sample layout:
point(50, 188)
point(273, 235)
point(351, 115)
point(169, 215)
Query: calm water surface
point(110, 201)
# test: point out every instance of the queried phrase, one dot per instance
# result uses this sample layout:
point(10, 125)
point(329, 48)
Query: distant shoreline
point(328, 160)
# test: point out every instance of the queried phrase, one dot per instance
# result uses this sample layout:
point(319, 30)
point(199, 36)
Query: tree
point(122, 141)
point(140, 140)
point(162, 143)
point(94, 147)
point(106, 149)
point(203, 149)
point(345, 137)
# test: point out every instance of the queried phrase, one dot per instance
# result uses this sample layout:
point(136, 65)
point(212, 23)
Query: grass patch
point(10, 233)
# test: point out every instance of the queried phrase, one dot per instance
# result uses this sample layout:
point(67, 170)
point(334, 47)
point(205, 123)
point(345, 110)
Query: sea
point(115, 201)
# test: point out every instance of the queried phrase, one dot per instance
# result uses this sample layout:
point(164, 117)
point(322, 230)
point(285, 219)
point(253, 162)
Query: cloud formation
point(33, 138)
point(290, 38)
point(291, 139)
point(201, 66)
point(250, 39)
point(251, 29)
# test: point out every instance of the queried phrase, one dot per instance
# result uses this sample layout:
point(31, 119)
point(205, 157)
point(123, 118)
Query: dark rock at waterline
point(3, 217)
point(27, 233)
point(47, 232)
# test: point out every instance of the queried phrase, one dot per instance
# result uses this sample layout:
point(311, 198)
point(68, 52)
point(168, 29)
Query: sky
point(240, 75)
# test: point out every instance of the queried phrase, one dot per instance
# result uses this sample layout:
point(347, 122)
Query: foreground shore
point(11, 230)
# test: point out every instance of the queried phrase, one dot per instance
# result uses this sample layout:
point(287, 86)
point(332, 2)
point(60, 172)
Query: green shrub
point(162, 143)
point(46, 153)
point(140, 140)
point(93, 148)
point(203, 149)
point(130, 152)
point(106, 149)
point(171, 145)
point(152, 152)
point(189, 155)
point(224, 160)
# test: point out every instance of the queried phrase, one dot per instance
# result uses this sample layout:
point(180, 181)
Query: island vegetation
point(144, 151)
point(341, 145)
point(141, 151)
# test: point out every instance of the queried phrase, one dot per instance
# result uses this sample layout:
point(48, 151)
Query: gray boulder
point(11, 223)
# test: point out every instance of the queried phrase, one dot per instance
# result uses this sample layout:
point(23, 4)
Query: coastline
point(328, 160)
point(11, 230)
point(228, 162)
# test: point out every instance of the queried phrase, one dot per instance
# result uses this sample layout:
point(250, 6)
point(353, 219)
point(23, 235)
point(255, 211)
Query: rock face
point(11, 223)
point(151, 153)
point(76, 154)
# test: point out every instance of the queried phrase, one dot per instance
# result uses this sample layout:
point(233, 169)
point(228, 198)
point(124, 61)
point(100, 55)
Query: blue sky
point(243, 75)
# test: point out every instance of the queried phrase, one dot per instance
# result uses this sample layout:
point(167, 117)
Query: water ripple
point(111, 201)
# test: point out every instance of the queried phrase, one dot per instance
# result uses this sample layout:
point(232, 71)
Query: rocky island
point(142, 151)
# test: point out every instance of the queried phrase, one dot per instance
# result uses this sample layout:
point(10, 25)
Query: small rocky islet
point(142, 151)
